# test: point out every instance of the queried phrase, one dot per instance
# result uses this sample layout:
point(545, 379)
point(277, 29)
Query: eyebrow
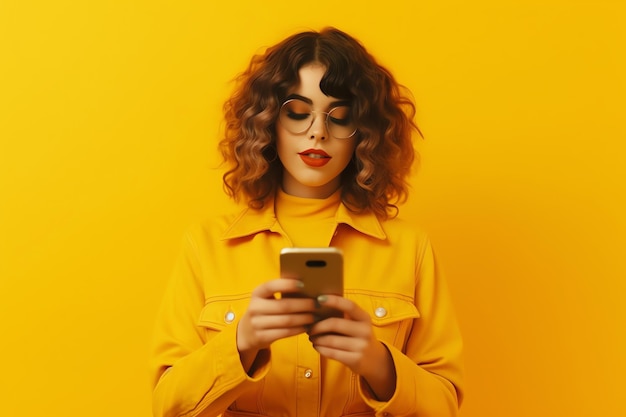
point(308, 100)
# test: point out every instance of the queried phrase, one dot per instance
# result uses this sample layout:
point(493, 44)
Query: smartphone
point(319, 269)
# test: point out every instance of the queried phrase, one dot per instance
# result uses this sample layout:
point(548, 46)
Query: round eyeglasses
point(297, 117)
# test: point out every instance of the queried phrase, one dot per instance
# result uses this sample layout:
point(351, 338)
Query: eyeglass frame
point(314, 113)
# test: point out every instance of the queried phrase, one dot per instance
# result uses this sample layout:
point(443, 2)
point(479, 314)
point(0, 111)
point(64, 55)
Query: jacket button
point(380, 312)
point(308, 373)
point(229, 317)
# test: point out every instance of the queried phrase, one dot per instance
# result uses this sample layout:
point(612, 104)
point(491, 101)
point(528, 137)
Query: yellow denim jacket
point(389, 270)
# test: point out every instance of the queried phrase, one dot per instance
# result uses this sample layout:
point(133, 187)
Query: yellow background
point(109, 117)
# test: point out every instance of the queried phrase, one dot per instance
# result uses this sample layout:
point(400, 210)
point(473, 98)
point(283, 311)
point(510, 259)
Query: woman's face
point(312, 159)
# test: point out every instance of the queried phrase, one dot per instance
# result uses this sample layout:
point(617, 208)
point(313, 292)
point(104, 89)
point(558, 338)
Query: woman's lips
point(314, 157)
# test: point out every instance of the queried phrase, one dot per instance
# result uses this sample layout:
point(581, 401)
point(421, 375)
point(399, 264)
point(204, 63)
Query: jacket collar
point(252, 221)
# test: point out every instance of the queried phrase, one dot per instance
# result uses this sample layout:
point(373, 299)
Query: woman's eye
point(340, 116)
point(298, 116)
point(341, 122)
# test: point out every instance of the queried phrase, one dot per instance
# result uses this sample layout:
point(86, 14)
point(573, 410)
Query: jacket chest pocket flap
point(392, 315)
point(217, 314)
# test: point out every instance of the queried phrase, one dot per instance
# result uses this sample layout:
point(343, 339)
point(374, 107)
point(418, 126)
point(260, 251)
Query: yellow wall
point(109, 114)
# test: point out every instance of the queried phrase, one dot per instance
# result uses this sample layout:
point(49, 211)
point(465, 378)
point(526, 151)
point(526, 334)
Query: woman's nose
point(318, 127)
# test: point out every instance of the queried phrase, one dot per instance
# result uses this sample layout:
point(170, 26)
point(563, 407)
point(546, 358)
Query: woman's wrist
point(380, 375)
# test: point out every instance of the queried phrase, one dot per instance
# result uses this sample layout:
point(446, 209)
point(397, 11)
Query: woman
point(319, 145)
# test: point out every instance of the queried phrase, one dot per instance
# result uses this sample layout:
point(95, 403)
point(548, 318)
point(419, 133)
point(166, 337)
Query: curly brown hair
point(376, 177)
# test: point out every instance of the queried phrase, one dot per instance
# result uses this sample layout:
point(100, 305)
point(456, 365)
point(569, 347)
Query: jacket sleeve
point(429, 373)
point(195, 372)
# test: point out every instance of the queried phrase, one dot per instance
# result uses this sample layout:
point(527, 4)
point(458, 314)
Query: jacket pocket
point(392, 315)
point(220, 312)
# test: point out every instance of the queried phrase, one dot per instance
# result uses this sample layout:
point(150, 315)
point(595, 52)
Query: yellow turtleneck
point(309, 222)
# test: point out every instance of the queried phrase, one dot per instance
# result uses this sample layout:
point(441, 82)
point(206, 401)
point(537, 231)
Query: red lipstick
point(315, 157)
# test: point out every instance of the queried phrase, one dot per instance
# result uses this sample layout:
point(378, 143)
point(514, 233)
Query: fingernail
point(300, 284)
point(322, 299)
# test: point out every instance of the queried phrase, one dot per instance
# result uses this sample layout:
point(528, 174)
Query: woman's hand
point(351, 341)
point(269, 319)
